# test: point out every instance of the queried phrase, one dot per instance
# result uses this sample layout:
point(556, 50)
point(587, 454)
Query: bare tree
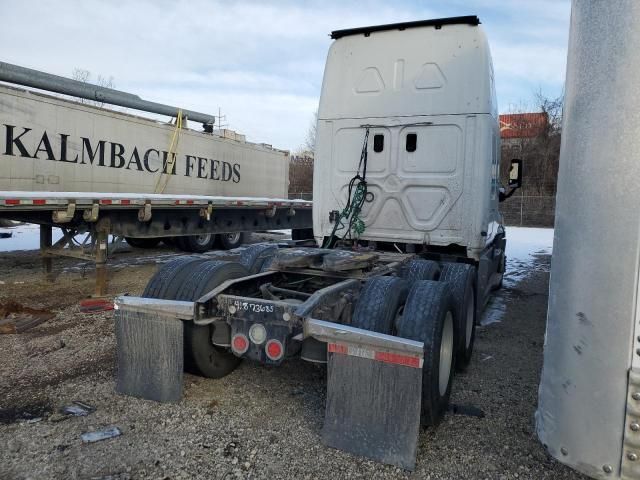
point(539, 151)
point(310, 140)
point(85, 76)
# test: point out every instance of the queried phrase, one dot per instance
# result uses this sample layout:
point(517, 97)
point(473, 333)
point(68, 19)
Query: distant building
point(515, 127)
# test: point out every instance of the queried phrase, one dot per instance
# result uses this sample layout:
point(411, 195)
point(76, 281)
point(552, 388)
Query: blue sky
point(262, 62)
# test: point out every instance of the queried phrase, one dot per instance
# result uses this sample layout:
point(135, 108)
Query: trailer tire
point(229, 241)
point(428, 318)
point(201, 243)
point(143, 242)
point(420, 269)
point(462, 284)
point(201, 356)
point(301, 233)
point(168, 275)
point(254, 256)
point(380, 301)
point(181, 243)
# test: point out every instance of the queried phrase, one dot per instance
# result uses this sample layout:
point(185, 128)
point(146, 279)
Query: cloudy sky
point(262, 62)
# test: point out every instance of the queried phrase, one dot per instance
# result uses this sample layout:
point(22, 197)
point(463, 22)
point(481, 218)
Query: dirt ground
point(257, 422)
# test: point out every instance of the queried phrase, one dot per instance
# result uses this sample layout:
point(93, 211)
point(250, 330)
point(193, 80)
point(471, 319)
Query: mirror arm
point(503, 196)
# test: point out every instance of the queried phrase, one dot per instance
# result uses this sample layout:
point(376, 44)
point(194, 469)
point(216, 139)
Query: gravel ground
point(257, 422)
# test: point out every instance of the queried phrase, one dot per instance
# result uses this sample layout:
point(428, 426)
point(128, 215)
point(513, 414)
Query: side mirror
point(515, 174)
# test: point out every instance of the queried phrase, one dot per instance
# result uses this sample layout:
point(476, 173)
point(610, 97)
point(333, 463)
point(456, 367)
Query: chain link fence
point(301, 177)
point(529, 210)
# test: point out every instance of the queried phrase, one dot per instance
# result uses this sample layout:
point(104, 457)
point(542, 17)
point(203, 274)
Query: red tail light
point(274, 350)
point(239, 343)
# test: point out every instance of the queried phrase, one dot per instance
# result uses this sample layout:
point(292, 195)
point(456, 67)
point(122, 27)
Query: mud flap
point(373, 404)
point(149, 346)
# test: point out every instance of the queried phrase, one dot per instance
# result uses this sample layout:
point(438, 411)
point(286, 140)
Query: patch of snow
point(523, 245)
point(24, 237)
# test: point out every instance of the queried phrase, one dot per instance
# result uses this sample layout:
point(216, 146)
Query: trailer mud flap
point(149, 343)
point(373, 403)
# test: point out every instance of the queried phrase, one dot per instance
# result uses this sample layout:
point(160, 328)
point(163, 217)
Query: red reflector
point(39, 201)
point(12, 201)
point(337, 348)
point(189, 202)
point(105, 201)
point(380, 356)
point(398, 359)
point(274, 350)
point(125, 202)
point(239, 344)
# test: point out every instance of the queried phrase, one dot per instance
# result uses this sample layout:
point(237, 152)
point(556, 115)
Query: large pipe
point(54, 83)
point(589, 400)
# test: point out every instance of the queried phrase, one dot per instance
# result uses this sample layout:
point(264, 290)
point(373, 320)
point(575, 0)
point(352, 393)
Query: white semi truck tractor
point(588, 413)
point(410, 243)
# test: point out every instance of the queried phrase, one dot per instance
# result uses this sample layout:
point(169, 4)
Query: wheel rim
point(203, 239)
point(470, 321)
point(232, 237)
point(446, 353)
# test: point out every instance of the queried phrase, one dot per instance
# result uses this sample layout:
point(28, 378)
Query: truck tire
point(229, 241)
point(201, 356)
point(428, 318)
point(302, 233)
point(181, 243)
point(254, 256)
point(197, 243)
point(462, 284)
point(420, 269)
point(168, 275)
point(380, 301)
point(143, 242)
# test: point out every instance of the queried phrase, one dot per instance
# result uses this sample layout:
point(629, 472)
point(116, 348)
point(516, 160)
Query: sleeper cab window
point(378, 142)
point(411, 142)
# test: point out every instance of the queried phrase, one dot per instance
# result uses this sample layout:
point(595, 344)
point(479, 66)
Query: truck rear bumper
point(342, 339)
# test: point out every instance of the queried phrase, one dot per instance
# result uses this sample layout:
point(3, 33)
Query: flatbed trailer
point(88, 169)
point(122, 215)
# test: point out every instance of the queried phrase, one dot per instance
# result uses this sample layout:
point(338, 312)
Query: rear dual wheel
point(428, 318)
point(188, 279)
point(423, 312)
point(202, 357)
point(461, 279)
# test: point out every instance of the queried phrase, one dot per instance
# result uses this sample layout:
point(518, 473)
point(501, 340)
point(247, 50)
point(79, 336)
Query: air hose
point(349, 218)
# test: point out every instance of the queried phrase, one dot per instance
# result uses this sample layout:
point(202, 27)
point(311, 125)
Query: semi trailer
point(409, 245)
point(588, 414)
point(85, 168)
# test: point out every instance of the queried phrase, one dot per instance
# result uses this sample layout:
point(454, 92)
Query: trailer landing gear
point(93, 246)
